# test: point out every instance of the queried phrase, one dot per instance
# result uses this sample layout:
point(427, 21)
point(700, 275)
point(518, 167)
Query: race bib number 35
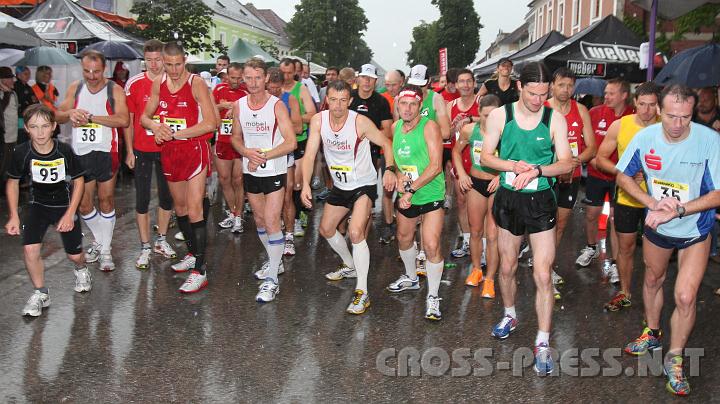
point(48, 172)
point(668, 189)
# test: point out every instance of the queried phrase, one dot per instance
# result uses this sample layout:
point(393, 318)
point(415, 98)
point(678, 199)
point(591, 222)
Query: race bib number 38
point(668, 189)
point(48, 172)
point(89, 133)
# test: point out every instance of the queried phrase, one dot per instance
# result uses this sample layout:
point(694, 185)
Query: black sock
point(298, 204)
point(655, 332)
point(43, 289)
point(200, 241)
point(613, 262)
point(206, 207)
point(183, 223)
point(593, 246)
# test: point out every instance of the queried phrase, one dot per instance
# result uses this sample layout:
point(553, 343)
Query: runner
point(228, 162)
point(628, 213)
point(479, 189)
point(181, 115)
point(681, 162)
point(582, 145)
point(274, 87)
point(54, 200)
point(598, 184)
point(264, 136)
point(345, 136)
point(393, 82)
point(145, 155)
point(450, 92)
point(221, 64)
point(502, 86)
point(417, 149)
point(528, 137)
point(96, 107)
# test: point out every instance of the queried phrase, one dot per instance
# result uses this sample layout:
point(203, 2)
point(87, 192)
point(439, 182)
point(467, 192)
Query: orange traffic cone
point(602, 221)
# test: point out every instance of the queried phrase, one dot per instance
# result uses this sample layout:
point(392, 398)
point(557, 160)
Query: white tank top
point(93, 137)
point(348, 158)
point(260, 131)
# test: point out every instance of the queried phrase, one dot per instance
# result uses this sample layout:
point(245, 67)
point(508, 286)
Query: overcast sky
point(391, 22)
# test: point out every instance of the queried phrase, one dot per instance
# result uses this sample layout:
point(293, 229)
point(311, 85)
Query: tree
point(332, 30)
point(269, 47)
point(458, 31)
point(183, 20)
point(424, 46)
point(704, 16)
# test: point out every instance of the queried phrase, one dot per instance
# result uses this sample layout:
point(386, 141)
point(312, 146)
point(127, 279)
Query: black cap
point(503, 60)
point(6, 73)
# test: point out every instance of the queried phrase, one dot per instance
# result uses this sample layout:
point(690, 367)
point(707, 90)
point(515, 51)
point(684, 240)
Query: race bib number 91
point(48, 172)
point(342, 174)
point(668, 189)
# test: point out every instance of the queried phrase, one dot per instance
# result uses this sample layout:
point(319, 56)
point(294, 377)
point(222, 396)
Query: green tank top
point(531, 146)
point(427, 109)
point(475, 142)
point(411, 157)
point(295, 92)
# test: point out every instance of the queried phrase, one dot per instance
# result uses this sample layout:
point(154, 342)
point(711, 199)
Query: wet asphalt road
point(134, 338)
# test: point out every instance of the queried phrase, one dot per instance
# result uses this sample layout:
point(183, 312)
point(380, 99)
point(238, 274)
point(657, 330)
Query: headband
point(411, 94)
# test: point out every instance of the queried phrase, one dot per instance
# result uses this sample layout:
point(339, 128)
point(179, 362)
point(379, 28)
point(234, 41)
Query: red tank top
point(602, 117)
point(179, 110)
point(574, 132)
point(454, 112)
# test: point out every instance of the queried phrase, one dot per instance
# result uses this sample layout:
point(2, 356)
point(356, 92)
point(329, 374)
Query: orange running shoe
point(475, 277)
point(488, 290)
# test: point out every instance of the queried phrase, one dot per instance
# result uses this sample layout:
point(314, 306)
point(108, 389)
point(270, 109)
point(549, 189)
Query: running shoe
point(544, 364)
point(432, 308)
point(143, 260)
point(506, 326)
point(83, 280)
point(644, 343)
point(37, 301)
point(229, 220)
point(475, 277)
point(420, 269)
point(163, 248)
point(303, 218)
point(93, 253)
point(387, 233)
point(298, 231)
point(557, 279)
point(677, 382)
point(268, 291)
point(524, 248)
point(488, 289)
point(618, 302)
point(237, 225)
point(194, 283)
point(359, 304)
point(322, 195)
point(106, 263)
point(247, 209)
point(262, 275)
point(179, 236)
point(341, 272)
point(463, 251)
point(613, 274)
point(404, 283)
point(556, 293)
point(186, 264)
point(587, 254)
point(289, 249)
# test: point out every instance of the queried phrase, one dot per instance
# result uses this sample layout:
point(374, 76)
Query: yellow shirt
point(628, 129)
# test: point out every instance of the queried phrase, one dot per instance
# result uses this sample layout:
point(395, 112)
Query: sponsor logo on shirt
point(182, 104)
point(404, 152)
point(653, 161)
point(163, 104)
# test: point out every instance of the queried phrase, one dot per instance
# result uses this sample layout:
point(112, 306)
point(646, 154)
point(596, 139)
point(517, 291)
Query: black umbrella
point(694, 67)
point(115, 50)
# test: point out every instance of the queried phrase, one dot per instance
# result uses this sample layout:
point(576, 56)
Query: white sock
point(542, 338)
point(339, 245)
point(107, 223)
point(466, 238)
point(408, 258)
point(92, 220)
point(361, 258)
point(484, 244)
point(434, 276)
point(263, 236)
point(276, 245)
point(510, 311)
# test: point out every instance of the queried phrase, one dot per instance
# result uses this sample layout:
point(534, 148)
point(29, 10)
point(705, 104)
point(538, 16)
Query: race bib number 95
point(48, 172)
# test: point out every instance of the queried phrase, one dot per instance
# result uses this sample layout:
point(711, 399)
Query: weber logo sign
point(581, 68)
point(611, 53)
point(53, 26)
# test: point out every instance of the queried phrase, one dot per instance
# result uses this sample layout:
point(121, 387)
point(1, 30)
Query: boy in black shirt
point(56, 187)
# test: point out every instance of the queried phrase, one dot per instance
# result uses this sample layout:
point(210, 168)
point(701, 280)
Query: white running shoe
point(93, 253)
point(432, 308)
point(186, 264)
point(237, 226)
point(194, 283)
point(163, 248)
point(298, 231)
point(268, 291)
point(229, 220)
point(36, 303)
point(106, 263)
point(587, 254)
point(262, 275)
point(83, 280)
point(463, 251)
point(289, 249)
point(404, 283)
point(143, 261)
point(359, 304)
point(179, 236)
point(343, 271)
point(556, 279)
point(613, 274)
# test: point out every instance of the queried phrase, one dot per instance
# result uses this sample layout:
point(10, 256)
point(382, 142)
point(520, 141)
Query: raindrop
point(334, 19)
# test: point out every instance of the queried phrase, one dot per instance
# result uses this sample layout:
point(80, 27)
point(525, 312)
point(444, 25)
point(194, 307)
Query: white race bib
point(476, 150)
point(510, 178)
point(48, 172)
point(574, 149)
point(668, 189)
point(226, 127)
point(90, 133)
point(268, 166)
point(176, 124)
point(156, 119)
point(411, 172)
point(342, 174)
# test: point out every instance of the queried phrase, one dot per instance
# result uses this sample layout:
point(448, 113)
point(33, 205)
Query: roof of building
point(270, 18)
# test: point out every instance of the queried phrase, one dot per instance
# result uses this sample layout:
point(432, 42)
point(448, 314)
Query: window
point(549, 16)
point(539, 25)
point(595, 10)
point(561, 17)
point(576, 15)
point(222, 38)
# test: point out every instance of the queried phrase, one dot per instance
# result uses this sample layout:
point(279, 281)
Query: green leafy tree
point(458, 31)
point(185, 20)
point(332, 30)
point(704, 16)
point(269, 47)
point(424, 46)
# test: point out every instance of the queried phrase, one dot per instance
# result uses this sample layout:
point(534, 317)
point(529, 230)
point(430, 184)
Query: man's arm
point(491, 140)
point(309, 104)
point(311, 150)
point(607, 148)
point(295, 116)
point(129, 134)
point(67, 222)
point(443, 118)
point(12, 190)
point(207, 108)
point(286, 129)
point(588, 135)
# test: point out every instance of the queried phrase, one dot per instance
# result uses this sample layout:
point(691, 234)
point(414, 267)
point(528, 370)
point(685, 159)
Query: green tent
point(241, 51)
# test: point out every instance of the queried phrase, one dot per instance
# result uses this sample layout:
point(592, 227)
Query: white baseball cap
point(368, 70)
point(418, 75)
point(207, 77)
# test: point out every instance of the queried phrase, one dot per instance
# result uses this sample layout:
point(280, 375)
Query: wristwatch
point(90, 116)
point(537, 167)
point(390, 168)
point(409, 189)
point(680, 211)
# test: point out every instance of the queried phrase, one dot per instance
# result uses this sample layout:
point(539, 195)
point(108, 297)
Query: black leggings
point(144, 162)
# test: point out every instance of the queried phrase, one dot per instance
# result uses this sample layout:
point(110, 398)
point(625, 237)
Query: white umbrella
point(14, 32)
point(9, 57)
